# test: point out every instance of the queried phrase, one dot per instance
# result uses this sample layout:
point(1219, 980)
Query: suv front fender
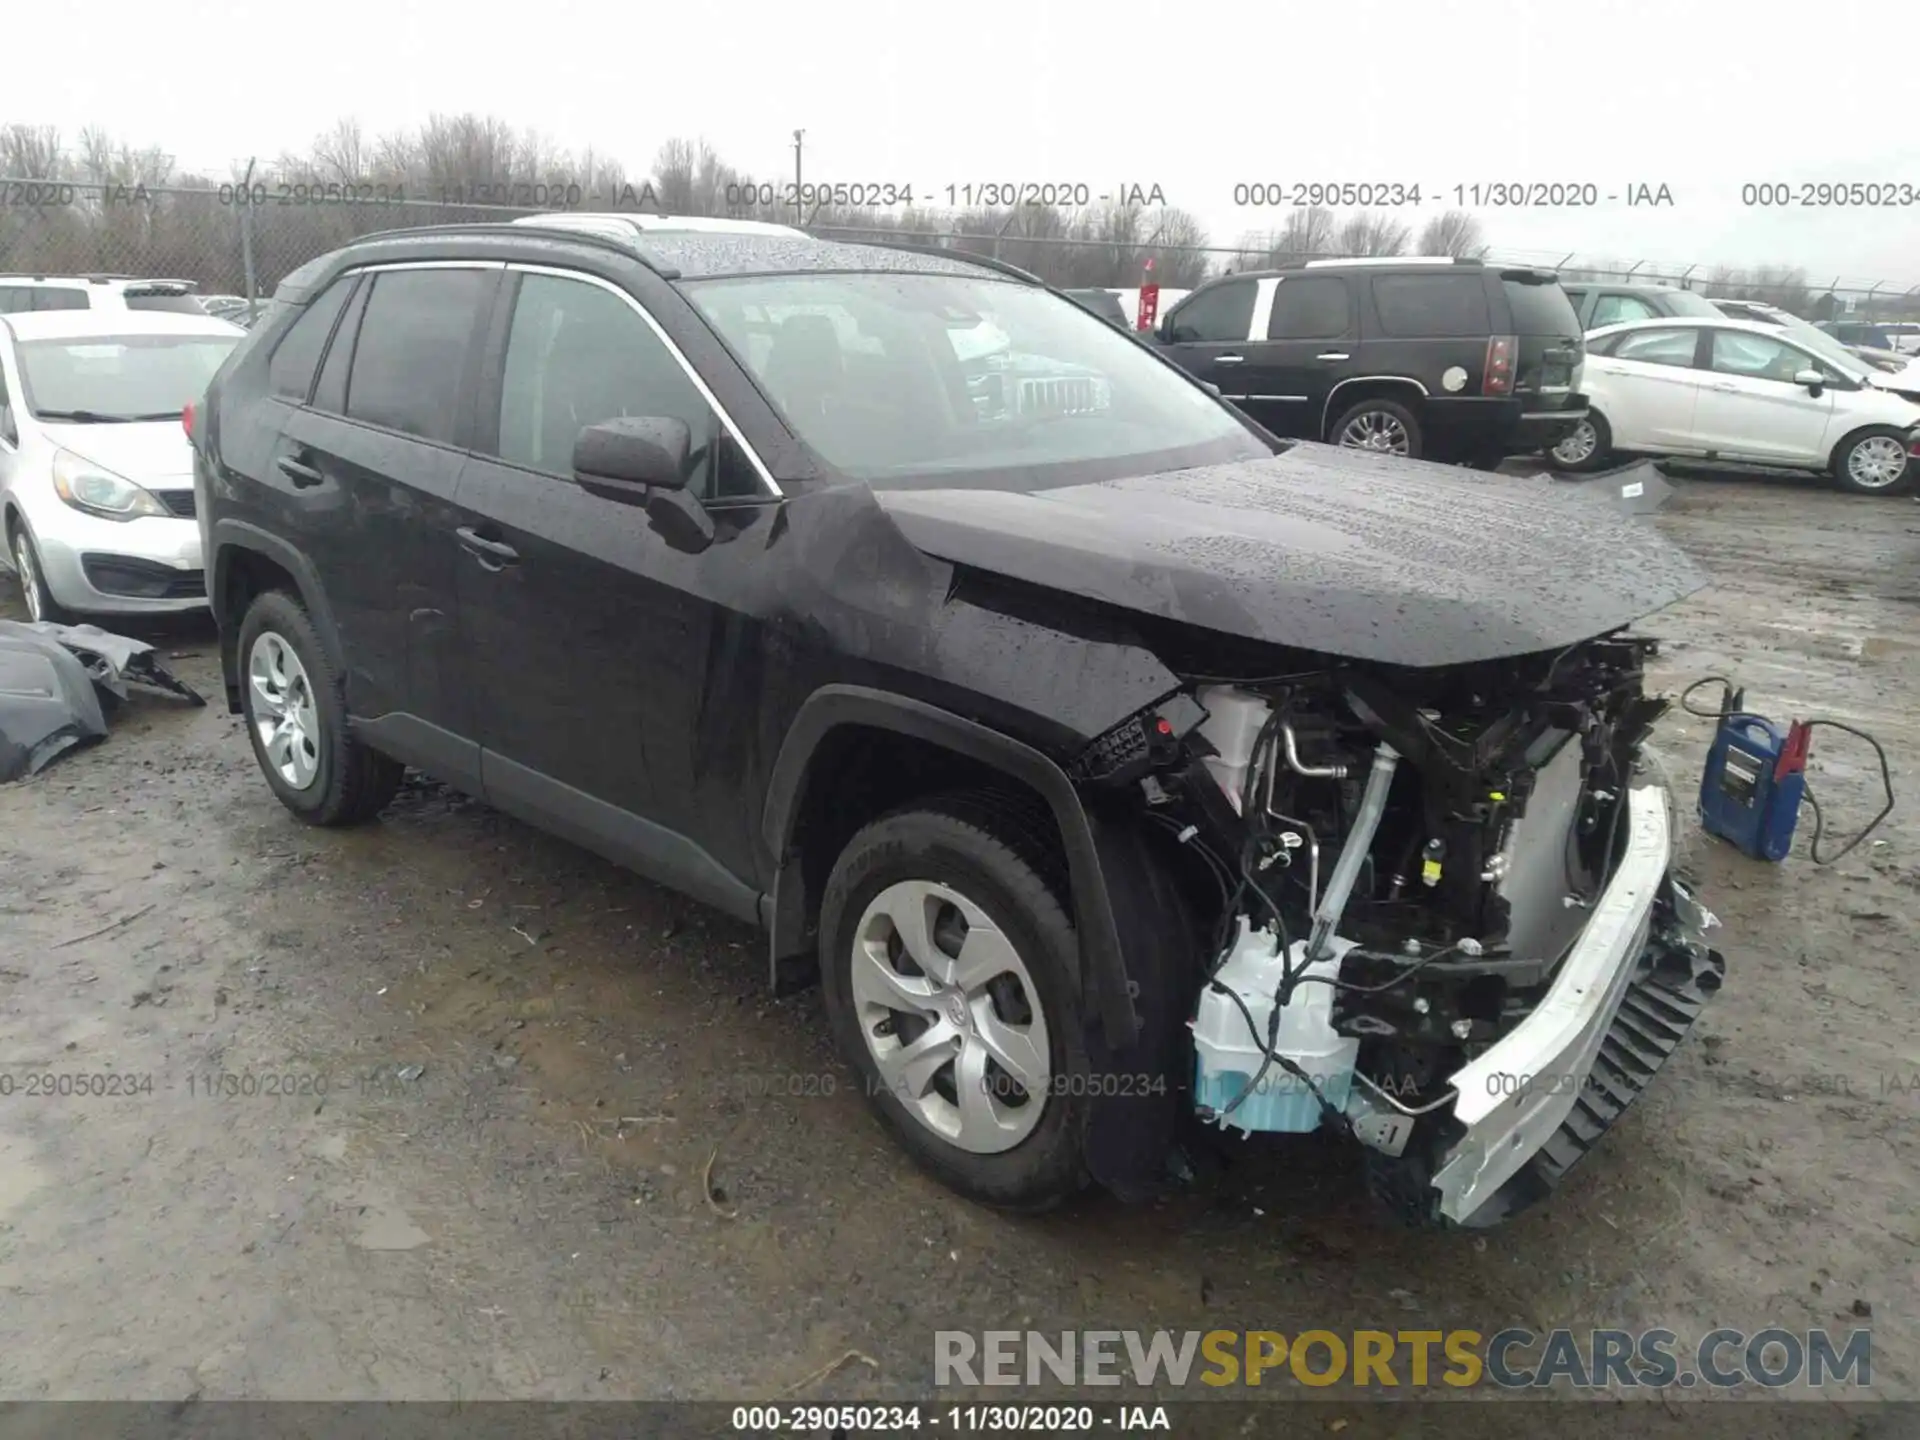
point(835, 706)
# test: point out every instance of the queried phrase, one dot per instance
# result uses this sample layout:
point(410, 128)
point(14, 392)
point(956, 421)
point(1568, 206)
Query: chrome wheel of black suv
point(948, 963)
point(1383, 426)
point(295, 708)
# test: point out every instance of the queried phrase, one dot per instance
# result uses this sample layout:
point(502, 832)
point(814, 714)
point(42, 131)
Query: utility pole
point(798, 207)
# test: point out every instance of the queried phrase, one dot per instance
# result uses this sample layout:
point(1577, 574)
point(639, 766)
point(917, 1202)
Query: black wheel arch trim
point(834, 706)
point(229, 535)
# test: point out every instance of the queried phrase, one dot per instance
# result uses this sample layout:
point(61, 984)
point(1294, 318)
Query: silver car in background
point(96, 475)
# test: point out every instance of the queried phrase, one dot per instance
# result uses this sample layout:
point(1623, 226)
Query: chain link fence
point(241, 240)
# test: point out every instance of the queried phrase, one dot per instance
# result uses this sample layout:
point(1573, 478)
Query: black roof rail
point(521, 232)
point(985, 261)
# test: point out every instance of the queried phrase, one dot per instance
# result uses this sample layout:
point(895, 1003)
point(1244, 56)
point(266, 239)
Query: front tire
point(33, 580)
point(1586, 448)
point(950, 971)
point(1874, 462)
point(1386, 427)
point(295, 706)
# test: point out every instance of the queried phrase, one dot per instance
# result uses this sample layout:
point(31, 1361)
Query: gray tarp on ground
point(53, 679)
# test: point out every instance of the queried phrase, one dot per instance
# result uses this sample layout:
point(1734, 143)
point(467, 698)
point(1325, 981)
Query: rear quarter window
point(290, 370)
point(59, 297)
point(1540, 308)
point(1434, 306)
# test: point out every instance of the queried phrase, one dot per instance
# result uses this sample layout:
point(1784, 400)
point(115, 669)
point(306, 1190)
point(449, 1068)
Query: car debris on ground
point(58, 684)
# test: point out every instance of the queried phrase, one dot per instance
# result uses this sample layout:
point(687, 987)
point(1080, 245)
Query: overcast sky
point(1699, 95)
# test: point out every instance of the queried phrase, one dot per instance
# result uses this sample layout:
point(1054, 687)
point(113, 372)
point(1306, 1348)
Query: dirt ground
point(514, 1064)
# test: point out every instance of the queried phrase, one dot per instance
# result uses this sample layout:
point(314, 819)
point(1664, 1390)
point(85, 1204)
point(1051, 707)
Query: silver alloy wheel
point(28, 576)
point(284, 714)
point(1578, 447)
point(1877, 462)
point(1376, 430)
point(951, 1016)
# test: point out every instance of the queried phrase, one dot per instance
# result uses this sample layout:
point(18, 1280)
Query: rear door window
point(1432, 306)
point(410, 355)
point(1312, 307)
point(1220, 313)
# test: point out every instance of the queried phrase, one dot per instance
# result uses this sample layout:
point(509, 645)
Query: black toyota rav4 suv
point(1023, 693)
point(1447, 359)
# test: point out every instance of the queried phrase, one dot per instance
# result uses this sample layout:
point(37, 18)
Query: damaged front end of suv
point(1403, 782)
point(1445, 920)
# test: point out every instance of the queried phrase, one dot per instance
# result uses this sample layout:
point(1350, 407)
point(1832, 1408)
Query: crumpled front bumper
point(1525, 1110)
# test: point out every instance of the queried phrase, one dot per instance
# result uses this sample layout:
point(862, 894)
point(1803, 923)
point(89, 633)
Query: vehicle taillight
point(186, 418)
point(1499, 373)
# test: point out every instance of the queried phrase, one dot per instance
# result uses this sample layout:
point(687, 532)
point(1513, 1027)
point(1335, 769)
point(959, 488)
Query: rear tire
point(957, 883)
point(1385, 427)
point(1587, 448)
point(1866, 463)
point(295, 706)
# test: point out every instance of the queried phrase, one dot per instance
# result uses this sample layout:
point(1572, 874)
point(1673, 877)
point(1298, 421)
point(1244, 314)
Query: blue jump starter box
point(1755, 776)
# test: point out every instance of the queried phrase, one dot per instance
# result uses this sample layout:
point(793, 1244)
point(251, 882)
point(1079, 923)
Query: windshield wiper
point(154, 415)
point(91, 417)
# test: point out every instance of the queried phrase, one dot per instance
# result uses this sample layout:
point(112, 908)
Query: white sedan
point(96, 474)
point(1736, 391)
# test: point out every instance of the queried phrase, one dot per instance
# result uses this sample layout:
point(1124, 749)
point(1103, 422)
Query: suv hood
point(147, 452)
point(1361, 556)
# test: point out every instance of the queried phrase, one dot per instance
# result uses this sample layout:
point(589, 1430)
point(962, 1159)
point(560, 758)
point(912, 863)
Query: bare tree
point(673, 169)
point(1369, 232)
point(32, 152)
point(1457, 233)
point(341, 153)
point(1304, 234)
point(1178, 254)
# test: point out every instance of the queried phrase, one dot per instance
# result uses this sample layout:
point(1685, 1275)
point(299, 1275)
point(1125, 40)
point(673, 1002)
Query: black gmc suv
point(1008, 680)
point(1448, 359)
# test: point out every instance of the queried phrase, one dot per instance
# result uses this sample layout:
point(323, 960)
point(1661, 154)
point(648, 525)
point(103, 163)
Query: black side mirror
point(642, 460)
point(626, 458)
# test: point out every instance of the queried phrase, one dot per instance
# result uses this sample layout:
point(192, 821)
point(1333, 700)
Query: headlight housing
point(97, 491)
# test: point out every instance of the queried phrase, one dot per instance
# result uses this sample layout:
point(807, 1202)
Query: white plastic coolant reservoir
point(1227, 1054)
point(1232, 727)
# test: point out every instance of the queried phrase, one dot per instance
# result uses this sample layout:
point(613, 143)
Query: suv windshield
point(893, 376)
point(100, 378)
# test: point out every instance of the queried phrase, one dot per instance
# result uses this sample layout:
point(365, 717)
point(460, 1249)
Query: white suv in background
point(1732, 390)
point(20, 293)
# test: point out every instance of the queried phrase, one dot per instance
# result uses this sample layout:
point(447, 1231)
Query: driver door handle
point(299, 472)
point(491, 553)
point(1333, 355)
point(1229, 359)
point(1724, 389)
